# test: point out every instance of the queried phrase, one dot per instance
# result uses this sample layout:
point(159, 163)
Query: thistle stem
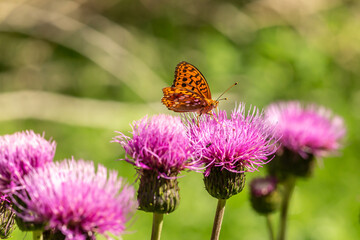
point(157, 226)
point(218, 219)
point(38, 235)
point(269, 227)
point(289, 188)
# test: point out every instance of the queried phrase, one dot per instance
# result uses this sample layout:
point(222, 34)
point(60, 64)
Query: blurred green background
point(79, 70)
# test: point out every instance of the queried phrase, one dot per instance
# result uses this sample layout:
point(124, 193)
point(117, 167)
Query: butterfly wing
point(183, 100)
point(189, 77)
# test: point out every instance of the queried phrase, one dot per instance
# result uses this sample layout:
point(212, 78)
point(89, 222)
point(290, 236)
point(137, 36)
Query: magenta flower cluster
point(306, 129)
point(243, 139)
point(19, 154)
point(158, 143)
point(73, 198)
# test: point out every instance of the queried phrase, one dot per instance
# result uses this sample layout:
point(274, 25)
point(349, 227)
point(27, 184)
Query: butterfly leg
point(198, 119)
point(211, 114)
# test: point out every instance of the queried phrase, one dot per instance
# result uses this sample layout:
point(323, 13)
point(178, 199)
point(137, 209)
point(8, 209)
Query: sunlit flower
point(242, 140)
point(73, 198)
point(228, 147)
point(158, 143)
point(306, 129)
point(20, 153)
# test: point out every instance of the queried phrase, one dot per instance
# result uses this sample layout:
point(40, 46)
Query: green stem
point(38, 235)
point(289, 187)
point(270, 227)
point(157, 226)
point(218, 219)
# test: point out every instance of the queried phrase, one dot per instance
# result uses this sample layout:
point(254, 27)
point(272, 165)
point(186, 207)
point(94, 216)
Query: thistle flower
point(20, 153)
point(160, 150)
point(306, 129)
point(73, 198)
point(264, 195)
point(230, 147)
point(158, 143)
point(306, 132)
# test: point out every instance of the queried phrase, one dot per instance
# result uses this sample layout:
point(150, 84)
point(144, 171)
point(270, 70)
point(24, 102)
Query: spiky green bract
point(7, 217)
point(157, 194)
point(222, 184)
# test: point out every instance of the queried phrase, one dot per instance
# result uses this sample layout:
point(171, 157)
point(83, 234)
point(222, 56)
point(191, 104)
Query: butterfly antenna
point(226, 91)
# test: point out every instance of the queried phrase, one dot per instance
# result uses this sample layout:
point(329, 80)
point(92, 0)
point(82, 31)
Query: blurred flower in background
point(307, 129)
point(305, 132)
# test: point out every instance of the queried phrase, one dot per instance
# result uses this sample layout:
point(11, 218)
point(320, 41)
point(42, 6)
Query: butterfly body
point(190, 92)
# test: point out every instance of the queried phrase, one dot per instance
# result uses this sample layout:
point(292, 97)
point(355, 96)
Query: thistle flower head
point(159, 144)
point(243, 140)
point(20, 153)
point(73, 198)
point(306, 130)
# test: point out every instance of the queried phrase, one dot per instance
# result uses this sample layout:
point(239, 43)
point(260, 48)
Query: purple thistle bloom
point(158, 143)
point(306, 130)
point(19, 154)
point(74, 199)
point(243, 140)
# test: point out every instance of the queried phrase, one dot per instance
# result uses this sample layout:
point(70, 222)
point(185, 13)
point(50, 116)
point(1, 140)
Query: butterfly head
point(211, 104)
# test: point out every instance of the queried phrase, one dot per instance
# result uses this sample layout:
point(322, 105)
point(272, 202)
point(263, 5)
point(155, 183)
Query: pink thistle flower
point(73, 198)
point(241, 141)
point(158, 143)
point(19, 154)
point(306, 130)
point(160, 149)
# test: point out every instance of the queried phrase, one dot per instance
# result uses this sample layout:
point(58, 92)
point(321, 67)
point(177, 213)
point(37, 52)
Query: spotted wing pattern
point(189, 77)
point(189, 92)
point(182, 100)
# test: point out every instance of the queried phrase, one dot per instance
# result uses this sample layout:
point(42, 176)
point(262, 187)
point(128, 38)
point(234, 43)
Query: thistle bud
point(264, 195)
point(222, 184)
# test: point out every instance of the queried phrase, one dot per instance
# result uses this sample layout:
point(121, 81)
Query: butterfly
point(190, 91)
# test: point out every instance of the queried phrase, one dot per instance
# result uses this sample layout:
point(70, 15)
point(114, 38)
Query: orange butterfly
point(190, 92)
